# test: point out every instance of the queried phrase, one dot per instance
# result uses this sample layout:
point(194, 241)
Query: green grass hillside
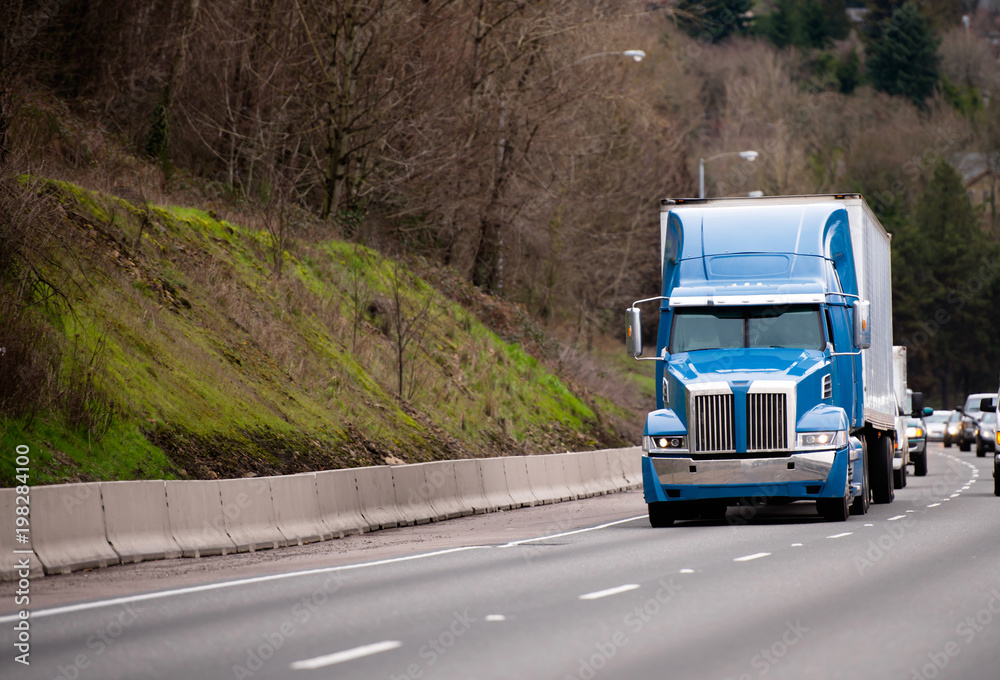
point(158, 341)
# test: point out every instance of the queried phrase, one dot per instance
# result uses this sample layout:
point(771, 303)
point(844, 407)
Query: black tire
point(947, 443)
point(965, 446)
point(996, 477)
point(880, 469)
point(899, 478)
point(862, 502)
point(833, 509)
point(920, 465)
point(980, 449)
point(660, 515)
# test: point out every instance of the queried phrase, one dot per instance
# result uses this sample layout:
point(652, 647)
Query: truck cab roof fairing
point(788, 253)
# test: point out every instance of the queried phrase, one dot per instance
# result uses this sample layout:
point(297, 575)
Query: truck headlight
point(665, 443)
point(821, 440)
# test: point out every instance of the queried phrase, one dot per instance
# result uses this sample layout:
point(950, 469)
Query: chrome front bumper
point(798, 467)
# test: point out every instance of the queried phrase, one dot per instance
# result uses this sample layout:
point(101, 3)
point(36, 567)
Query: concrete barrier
point(249, 513)
point(14, 555)
point(518, 486)
point(67, 528)
point(574, 476)
point(472, 493)
point(630, 460)
point(136, 521)
point(296, 508)
point(196, 521)
point(339, 503)
point(588, 470)
point(412, 494)
point(608, 481)
point(443, 492)
point(378, 500)
point(558, 480)
point(495, 484)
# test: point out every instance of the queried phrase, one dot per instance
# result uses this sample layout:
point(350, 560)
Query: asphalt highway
point(909, 591)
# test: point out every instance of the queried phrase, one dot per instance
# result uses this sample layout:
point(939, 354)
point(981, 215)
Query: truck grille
point(713, 424)
point(767, 422)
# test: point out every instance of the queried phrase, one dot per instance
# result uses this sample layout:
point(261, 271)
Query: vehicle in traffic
point(916, 434)
point(937, 423)
point(901, 448)
point(773, 357)
point(971, 413)
point(986, 434)
point(952, 429)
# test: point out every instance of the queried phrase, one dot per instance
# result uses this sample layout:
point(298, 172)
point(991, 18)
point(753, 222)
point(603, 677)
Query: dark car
point(952, 428)
point(916, 433)
point(986, 435)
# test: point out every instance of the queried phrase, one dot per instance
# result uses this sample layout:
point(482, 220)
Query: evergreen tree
point(848, 72)
point(903, 60)
point(942, 281)
point(779, 25)
point(713, 20)
point(813, 31)
point(838, 26)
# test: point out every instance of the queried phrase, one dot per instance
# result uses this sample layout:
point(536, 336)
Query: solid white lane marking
point(71, 609)
point(609, 592)
point(513, 544)
point(346, 655)
point(747, 558)
point(496, 617)
point(846, 533)
point(933, 505)
point(893, 519)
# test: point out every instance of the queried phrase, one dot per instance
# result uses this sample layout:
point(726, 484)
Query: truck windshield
point(796, 327)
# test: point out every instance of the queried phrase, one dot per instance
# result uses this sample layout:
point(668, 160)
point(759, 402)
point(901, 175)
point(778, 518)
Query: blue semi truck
point(773, 358)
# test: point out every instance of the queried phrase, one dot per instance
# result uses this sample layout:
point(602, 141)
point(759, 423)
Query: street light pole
point(748, 156)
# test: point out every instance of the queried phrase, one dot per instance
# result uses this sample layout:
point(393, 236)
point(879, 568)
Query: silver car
point(936, 424)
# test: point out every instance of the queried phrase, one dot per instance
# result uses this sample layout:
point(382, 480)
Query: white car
point(936, 423)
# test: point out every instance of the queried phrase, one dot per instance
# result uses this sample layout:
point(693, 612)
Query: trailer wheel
point(881, 469)
point(660, 515)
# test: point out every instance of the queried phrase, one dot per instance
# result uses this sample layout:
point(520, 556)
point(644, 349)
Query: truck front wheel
point(833, 509)
point(660, 515)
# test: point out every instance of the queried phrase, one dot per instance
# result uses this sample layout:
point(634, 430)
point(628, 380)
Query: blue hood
point(713, 365)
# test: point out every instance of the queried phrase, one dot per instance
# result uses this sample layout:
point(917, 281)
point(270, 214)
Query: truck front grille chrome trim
point(767, 422)
point(713, 423)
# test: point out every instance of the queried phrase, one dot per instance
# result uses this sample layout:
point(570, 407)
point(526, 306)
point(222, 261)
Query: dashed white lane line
point(609, 592)
point(893, 519)
point(496, 617)
point(514, 544)
point(687, 571)
point(796, 545)
point(346, 655)
point(747, 558)
point(933, 505)
point(846, 533)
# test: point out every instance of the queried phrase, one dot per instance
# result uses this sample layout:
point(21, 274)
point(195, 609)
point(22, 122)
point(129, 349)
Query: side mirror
point(917, 404)
point(862, 325)
point(987, 405)
point(633, 332)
